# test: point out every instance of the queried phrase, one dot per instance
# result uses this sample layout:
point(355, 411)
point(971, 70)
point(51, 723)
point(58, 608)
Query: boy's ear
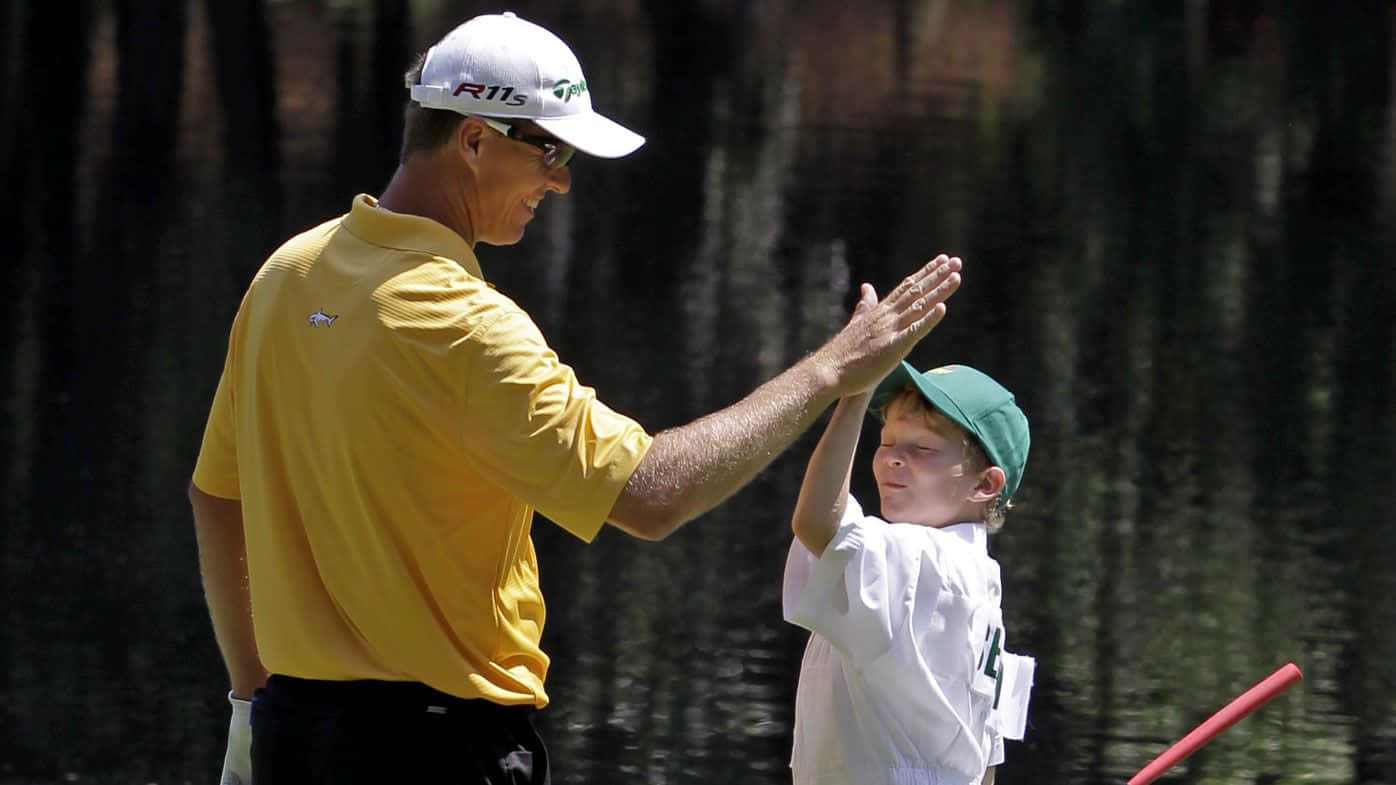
point(991, 482)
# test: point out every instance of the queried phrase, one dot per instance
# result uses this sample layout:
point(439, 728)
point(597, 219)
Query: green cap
point(976, 403)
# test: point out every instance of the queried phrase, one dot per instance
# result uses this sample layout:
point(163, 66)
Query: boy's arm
point(824, 491)
point(988, 776)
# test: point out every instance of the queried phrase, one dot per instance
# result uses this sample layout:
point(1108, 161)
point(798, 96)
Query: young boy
point(904, 680)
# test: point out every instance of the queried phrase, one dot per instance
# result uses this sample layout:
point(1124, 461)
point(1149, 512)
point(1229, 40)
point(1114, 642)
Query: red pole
point(1229, 715)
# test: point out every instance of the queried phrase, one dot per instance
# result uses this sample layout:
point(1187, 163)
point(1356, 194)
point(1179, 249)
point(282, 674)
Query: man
point(386, 424)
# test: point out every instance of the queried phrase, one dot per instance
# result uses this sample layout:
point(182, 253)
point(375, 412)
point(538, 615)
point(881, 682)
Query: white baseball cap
point(499, 65)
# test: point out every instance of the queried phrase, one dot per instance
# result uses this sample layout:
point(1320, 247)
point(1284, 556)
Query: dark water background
point(1177, 225)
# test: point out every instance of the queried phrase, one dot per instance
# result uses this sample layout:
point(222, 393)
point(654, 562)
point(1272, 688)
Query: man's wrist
point(824, 374)
point(246, 681)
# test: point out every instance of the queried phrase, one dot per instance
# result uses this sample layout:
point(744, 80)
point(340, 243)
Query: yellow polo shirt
point(390, 423)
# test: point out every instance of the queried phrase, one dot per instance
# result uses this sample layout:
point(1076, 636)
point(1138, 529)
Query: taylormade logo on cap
point(499, 65)
point(565, 89)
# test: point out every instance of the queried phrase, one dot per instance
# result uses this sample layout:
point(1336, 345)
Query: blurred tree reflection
point(1177, 223)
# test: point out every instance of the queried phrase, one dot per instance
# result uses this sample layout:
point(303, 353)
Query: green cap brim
point(906, 374)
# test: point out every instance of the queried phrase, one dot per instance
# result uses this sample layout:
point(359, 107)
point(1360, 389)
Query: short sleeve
point(535, 431)
point(860, 591)
point(216, 469)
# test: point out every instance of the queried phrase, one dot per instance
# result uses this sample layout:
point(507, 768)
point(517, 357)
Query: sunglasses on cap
point(556, 153)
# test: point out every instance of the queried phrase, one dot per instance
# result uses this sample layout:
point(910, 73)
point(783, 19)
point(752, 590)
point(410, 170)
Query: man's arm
point(223, 564)
point(988, 776)
point(690, 469)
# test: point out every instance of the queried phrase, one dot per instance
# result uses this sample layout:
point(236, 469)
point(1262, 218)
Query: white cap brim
point(593, 134)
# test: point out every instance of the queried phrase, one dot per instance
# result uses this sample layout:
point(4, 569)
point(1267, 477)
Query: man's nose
point(560, 179)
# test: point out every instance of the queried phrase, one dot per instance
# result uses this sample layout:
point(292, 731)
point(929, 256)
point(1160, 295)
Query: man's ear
point(469, 134)
point(990, 483)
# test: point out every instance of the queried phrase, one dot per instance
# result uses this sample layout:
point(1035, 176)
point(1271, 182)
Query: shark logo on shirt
point(320, 317)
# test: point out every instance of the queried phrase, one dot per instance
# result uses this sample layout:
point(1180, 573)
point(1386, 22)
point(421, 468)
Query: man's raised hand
point(881, 333)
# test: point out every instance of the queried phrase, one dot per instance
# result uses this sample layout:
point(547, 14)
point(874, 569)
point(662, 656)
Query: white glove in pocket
point(1013, 698)
point(237, 761)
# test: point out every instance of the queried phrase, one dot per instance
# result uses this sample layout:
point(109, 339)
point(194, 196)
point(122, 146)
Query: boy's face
point(923, 475)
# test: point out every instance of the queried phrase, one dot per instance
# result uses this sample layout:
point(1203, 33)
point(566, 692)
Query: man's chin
point(504, 240)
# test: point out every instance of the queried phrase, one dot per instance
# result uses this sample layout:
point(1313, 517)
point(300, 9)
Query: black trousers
point(308, 732)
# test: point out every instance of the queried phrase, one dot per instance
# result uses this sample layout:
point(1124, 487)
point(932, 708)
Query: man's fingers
point(925, 282)
point(914, 284)
point(922, 306)
point(932, 319)
point(946, 287)
point(912, 334)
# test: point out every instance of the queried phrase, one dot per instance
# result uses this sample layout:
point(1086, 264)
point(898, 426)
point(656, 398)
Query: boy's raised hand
point(880, 334)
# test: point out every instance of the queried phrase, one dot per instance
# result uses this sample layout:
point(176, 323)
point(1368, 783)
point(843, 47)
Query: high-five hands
point(881, 333)
point(690, 469)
